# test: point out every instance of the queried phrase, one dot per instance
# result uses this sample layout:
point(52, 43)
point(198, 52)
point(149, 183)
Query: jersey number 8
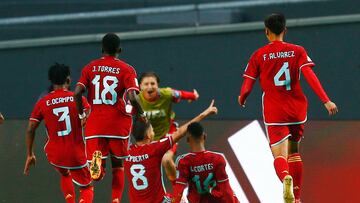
point(138, 171)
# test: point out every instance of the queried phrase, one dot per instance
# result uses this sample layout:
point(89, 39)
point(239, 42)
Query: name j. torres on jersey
point(106, 69)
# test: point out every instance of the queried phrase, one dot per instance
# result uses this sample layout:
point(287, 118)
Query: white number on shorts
point(64, 116)
point(138, 171)
point(287, 82)
point(107, 89)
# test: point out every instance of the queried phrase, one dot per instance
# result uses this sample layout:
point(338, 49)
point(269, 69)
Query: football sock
point(117, 184)
point(296, 171)
point(281, 167)
point(86, 194)
point(67, 188)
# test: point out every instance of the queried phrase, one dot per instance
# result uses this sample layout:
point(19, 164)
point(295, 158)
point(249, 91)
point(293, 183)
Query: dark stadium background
point(211, 63)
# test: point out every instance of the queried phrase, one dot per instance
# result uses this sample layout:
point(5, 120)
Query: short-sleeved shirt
point(107, 81)
point(65, 146)
point(144, 173)
point(278, 65)
point(160, 112)
point(200, 171)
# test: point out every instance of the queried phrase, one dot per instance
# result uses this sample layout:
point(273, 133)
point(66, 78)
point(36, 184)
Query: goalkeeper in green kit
point(157, 104)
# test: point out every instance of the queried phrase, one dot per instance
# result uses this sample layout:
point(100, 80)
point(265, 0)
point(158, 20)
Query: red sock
point(117, 184)
point(281, 167)
point(86, 194)
point(67, 188)
point(296, 171)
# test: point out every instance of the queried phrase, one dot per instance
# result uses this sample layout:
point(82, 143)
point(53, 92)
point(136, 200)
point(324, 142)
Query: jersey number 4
point(283, 70)
point(107, 89)
point(64, 111)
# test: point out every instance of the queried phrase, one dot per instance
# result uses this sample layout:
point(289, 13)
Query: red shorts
point(278, 133)
point(80, 176)
point(117, 148)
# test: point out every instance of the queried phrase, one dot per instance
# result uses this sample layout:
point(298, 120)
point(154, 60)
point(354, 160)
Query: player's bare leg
point(295, 168)
point(95, 165)
point(169, 165)
point(280, 153)
point(118, 179)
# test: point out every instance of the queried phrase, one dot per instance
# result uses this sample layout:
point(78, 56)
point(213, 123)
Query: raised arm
point(182, 129)
point(245, 90)
point(316, 86)
point(30, 136)
point(1, 118)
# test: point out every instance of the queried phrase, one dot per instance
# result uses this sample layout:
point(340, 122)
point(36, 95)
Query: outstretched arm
point(245, 90)
point(179, 95)
point(182, 129)
point(316, 86)
point(30, 136)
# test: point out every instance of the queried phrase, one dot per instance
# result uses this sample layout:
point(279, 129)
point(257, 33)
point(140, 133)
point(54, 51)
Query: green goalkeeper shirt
point(159, 112)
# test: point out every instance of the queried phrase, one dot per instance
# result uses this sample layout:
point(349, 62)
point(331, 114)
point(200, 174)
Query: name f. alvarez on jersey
point(280, 54)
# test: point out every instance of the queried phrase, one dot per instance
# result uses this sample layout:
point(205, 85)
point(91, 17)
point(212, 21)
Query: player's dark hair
point(149, 74)
point(58, 73)
point(195, 130)
point(111, 43)
point(275, 22)
point(139, 130)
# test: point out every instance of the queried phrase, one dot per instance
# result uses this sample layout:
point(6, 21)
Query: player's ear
point(119, 50)
point(205, 135)
point(285, 30)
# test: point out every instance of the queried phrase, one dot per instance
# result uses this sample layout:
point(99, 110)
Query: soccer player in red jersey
point(65, 148)
point(157, 105)
point(279, 66)
point(112, 93)
point(143, 166)
point(202, 171)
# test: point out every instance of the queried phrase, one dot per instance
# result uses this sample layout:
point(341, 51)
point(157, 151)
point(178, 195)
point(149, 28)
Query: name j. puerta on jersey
point(59, 100)
point(106, 69)
point(277, 55)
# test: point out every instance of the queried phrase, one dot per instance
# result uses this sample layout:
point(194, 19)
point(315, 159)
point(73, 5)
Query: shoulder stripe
point(181, 157)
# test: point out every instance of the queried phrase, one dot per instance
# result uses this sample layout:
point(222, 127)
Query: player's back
point(107, 81)
point(202, 170)
point(65, 146)
point(144, 173)
point(278, 64)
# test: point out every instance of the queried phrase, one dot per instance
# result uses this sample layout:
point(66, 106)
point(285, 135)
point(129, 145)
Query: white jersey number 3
point(64, 111)
point(283, 70)
point(107, 89)
point(138, 171)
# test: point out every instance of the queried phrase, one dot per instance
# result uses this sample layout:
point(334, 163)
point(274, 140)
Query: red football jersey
point(278, 64)
point(107, 80)
point(65, 146)
point(201, 171)
point(144, 172)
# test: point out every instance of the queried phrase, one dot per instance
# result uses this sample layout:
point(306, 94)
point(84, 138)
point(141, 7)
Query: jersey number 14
point(283, 70)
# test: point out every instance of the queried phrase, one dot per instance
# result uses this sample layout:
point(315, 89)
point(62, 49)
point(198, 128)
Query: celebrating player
point(157, 104)
point(112, 92)
point(279, 65)
point(203, 171)
point(143, 166)
point(65, 148)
